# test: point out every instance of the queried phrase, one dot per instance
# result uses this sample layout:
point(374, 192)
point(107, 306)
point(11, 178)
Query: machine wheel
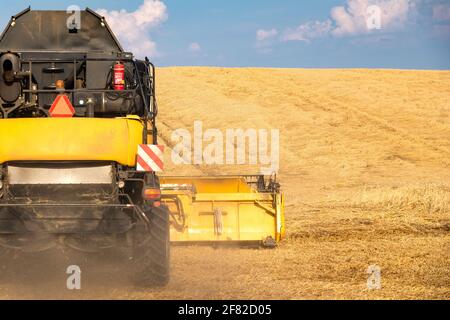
point(152, 250)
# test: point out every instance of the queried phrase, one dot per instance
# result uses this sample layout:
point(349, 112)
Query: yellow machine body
point(223, 209)
point(71, 139)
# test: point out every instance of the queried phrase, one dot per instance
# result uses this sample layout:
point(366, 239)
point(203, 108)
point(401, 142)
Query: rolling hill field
point(365, 169)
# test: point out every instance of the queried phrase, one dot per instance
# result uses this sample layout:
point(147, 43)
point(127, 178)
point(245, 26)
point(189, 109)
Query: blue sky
point(413, 34)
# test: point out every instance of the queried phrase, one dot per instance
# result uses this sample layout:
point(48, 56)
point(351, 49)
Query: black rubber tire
point(151, 246)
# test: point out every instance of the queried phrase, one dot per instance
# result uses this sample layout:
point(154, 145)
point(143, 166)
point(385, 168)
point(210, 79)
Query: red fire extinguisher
point(119, 76)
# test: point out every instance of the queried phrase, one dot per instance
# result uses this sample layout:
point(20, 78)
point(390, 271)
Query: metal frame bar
point(130, 206)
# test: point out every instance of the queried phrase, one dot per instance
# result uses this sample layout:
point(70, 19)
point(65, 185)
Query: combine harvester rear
point(80, 159)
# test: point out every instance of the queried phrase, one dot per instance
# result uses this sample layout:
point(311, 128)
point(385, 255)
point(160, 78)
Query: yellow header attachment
point(224, 209)
point(70, 139)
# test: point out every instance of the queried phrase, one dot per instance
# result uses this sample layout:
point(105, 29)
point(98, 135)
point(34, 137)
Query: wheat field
point(365, 169)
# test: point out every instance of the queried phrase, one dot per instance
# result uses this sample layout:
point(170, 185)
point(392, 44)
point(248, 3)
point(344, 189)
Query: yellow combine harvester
point(80, 159)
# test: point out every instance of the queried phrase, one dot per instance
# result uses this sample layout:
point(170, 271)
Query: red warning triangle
point(62, 107)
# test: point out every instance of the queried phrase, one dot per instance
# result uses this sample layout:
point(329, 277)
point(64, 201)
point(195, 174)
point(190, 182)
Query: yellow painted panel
point(255, 223)
point(228, 184)
point(247, 215)
point(70, 139)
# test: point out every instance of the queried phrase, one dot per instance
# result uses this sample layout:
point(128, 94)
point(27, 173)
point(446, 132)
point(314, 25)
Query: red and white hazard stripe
point(150, 158)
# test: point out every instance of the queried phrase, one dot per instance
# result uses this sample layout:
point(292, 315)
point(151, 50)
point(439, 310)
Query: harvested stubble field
point(365, 168)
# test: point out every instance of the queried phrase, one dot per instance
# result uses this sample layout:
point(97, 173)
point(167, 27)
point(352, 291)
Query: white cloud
point(352, 19)
point(132, 28)
point(308, 31)
point(195, 47)
point(262, 35)
point(441, 12)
